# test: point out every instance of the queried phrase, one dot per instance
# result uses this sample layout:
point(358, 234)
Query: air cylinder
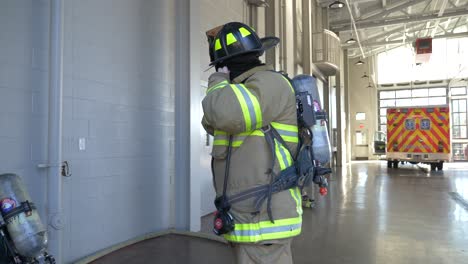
point(321, 141)
point(22, 220)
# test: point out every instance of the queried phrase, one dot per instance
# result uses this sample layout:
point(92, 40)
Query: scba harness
point(300, 174)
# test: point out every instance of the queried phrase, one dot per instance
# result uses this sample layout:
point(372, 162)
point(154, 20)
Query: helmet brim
point(267, 43)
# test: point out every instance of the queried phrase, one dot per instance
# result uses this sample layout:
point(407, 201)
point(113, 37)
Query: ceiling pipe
point(54, 185)
point(355, 29)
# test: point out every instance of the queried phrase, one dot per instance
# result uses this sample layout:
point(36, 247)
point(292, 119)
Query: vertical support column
point(347, 107)
point(306, 37)
point(294, 37)
point(54, 188)
point(253, 15)
point(270, 30)
point(187, 129)
point(339, 121)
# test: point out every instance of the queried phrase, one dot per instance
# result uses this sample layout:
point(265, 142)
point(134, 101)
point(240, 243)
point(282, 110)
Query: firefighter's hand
point(224, 69)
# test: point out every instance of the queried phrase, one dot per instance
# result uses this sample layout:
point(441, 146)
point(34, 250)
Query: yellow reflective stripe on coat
point(265, 230)
point(296, 195)
point(283, 156)
point(289, 83)
point(221, 138)
point(289, 133)
point(216, 86)
point(249, 105)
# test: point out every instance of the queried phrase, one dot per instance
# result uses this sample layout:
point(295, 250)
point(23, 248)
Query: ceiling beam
point(456, 24)
point(400, 20)
point(394, 42)
point(389, 9)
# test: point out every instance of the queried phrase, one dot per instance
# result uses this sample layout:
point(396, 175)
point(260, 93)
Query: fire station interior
point(100, 117)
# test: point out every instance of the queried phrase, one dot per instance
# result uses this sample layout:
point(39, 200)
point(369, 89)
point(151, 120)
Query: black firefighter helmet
point(234, 39)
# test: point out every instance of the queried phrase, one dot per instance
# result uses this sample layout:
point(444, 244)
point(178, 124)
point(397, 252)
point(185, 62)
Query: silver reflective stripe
point(283, 155)
point(286, 133)
point(266, 230)
point(250, 105)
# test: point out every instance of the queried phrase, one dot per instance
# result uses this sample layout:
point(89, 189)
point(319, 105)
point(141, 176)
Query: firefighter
point(243, 96)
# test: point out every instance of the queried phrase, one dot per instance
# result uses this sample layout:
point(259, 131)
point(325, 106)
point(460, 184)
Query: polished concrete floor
point(371, 215)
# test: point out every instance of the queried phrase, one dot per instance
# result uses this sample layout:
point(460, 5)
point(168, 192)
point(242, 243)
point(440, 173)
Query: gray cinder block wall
point(118, 112)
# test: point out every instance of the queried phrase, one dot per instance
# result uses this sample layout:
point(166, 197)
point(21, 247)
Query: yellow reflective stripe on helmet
point(265, 230)
point(289, 133)
point(290, 86)
point(217, 44)
point(250, 107)
point(217, 86)
point(244, 32)
point(230, 39)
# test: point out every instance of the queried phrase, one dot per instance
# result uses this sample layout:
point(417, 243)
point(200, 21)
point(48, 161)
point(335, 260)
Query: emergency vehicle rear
point(418, 135)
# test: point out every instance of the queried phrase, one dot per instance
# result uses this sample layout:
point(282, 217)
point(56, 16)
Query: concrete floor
point(371, 215)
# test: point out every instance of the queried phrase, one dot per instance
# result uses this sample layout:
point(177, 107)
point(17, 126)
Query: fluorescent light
point(365, 76)
point(336, 5)
point(359, 62)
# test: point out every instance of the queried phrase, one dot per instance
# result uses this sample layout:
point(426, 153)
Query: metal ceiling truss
point(386, 24)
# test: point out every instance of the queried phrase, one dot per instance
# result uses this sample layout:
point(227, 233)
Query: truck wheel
point(395, 164)
point(440, 165)
point(389, 163)
point(433, 166)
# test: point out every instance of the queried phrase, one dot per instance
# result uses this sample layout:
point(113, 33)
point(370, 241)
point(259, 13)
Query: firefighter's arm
point(232, 108)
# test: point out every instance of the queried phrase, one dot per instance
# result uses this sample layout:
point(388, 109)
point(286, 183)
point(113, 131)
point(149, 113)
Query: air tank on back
point(22, 220)
point(321, 141)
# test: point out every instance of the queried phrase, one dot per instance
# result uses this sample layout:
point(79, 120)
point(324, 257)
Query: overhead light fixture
point(365, 76)
point(359, 62)
point(336, 5)
point(351, 41)
point(369, 86)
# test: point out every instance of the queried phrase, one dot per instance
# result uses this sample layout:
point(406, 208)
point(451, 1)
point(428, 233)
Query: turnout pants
point(266, 252)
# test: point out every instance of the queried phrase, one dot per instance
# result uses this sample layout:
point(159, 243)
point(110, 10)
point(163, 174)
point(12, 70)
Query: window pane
point(383, 111)
point(425, 124)
point(409, 124)
point(437, 100)
point(463, 132)
point(457, 149)
point(383, 120)
point(386, 103)
point(419, 101)
point(387, 94)
point(456, 119)
point(455, 106)
point(462, 105)
point(360, 116)
point(462, 118)
point(458, 90)
point(420, 92)
point(403, 93)
point(361, 138)
point(456, 131)
point(437, 92)
point(403, 102)
point(383, 128)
